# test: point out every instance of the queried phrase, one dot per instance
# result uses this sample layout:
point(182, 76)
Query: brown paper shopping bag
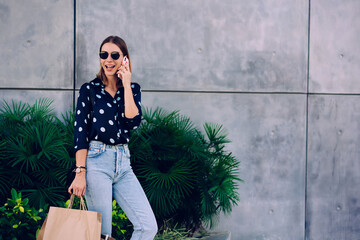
point(71, 224)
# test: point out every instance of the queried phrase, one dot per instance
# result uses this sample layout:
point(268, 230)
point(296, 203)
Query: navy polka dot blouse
point(108, 124)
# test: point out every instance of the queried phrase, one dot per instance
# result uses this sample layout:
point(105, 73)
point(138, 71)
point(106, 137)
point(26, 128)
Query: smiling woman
point(108, 108)
point(117, 49)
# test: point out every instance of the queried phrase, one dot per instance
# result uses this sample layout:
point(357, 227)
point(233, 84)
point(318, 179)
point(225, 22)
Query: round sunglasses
point(105, 55)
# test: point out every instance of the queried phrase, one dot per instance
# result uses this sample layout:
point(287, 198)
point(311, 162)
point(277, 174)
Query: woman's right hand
point(78, 186)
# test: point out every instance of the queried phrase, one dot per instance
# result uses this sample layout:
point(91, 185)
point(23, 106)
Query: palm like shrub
point(189, 178)
point(34, 152)
point(186, 173)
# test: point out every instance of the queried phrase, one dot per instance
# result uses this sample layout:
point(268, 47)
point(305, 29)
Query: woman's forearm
point(81, 157)
point(131, 110)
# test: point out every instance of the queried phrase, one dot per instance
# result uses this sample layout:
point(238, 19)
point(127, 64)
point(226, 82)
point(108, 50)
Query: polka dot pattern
point(100, 120)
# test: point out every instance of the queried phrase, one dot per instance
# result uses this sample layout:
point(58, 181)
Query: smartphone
point(124, 61)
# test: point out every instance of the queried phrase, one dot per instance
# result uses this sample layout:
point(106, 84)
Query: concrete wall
point(282, 76)
point(37, 45)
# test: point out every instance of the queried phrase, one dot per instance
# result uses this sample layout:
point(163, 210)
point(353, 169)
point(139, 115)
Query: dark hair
point(122, 45)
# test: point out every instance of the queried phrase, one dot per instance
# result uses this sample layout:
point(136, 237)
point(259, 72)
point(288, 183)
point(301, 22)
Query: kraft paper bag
point(71, 224)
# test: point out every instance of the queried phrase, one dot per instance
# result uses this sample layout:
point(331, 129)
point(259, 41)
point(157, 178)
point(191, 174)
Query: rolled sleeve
point(133, 123)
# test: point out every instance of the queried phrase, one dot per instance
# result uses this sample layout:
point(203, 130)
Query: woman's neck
point(112, 83)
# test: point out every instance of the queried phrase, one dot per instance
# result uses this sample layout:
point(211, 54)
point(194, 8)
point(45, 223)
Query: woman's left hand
point(125, 74)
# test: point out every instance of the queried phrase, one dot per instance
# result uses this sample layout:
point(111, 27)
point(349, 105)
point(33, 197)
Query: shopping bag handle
point(82, 203)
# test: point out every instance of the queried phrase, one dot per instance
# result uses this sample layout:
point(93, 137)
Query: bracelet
point(81, 167)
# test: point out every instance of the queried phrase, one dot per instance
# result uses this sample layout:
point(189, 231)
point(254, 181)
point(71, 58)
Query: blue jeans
point(109, 174)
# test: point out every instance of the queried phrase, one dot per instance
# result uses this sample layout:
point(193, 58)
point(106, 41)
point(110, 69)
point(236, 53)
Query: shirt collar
point(97, 83)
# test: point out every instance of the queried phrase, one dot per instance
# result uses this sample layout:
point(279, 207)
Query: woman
point(107, 109)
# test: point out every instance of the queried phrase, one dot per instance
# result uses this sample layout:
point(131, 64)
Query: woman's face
point(110, 65)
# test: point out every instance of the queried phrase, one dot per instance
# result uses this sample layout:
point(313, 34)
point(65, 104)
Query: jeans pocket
point(95, 151)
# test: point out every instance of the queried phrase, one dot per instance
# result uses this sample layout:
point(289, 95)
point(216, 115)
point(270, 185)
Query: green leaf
point(14, 194)
point(25, 201)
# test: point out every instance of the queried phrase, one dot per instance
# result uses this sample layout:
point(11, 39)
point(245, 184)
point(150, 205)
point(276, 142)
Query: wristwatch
point(79, 169)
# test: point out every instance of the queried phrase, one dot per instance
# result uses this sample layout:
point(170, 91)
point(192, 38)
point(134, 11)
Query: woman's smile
point(109, 67)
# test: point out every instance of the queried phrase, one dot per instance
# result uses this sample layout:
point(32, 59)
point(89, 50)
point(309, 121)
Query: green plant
point(189, 177)
point(187, 174)
point(34, 152)
point(168, 232)
point(19, 220)
point(121, 226)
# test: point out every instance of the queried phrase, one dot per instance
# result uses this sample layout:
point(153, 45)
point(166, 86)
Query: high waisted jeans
point(109, 174)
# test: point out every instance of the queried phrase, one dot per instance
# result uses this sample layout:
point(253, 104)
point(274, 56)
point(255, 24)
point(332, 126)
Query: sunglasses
point(105, 55)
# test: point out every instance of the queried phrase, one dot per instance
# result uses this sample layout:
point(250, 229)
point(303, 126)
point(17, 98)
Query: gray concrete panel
point(334, 46)
point(333, 206)
point(63, 100)
point(201, 45)
point(268, 137)
point(36, 39)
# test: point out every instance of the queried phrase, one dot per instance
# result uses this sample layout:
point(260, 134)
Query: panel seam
point(193, 91)
point(307, 125)
point(74, 60)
